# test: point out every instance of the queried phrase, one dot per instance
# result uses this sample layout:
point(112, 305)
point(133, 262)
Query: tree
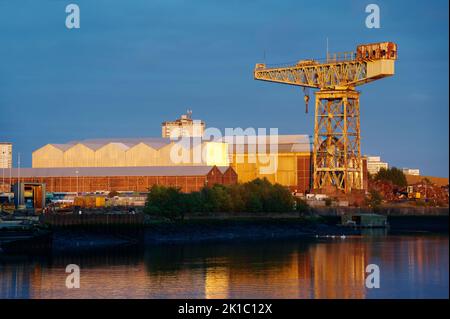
point(393, 175)
point(236, 197)
point(166, 201)
point(258, 195)
point(192, 202)
point(279, 199)
point(254, 204)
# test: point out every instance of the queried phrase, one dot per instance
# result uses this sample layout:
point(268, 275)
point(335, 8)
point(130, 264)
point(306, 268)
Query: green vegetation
point(167, 202)
point(257, 196)
point(393, 175)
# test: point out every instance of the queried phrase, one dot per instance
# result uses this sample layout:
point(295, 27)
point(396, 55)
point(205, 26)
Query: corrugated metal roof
point(153, 142)
point(282, 139)
point(62, 147)
point(92, 146)
point(113, 171)
point(285, 143)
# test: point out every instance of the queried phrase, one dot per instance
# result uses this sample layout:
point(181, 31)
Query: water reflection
point(411, 267)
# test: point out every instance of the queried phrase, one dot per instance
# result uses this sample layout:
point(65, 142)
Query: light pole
point(18, 180)
point(76, 172)
point(3, 171)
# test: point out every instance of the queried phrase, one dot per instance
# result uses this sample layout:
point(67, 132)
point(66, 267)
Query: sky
point(134, 64)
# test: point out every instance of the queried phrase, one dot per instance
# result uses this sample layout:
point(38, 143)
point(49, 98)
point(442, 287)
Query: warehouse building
point(123, 179)
point(283, 159)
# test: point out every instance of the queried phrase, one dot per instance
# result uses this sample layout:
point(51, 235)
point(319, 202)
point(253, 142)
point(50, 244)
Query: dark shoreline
point(239, 229)
point(199, 229)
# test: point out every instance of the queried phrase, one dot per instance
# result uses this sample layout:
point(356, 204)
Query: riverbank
point(197, 229)
point(228, 227)
point(215, 229)
point(209, 229)
point(387, 210)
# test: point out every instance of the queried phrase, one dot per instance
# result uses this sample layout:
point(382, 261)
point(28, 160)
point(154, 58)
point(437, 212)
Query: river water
point(411, 266)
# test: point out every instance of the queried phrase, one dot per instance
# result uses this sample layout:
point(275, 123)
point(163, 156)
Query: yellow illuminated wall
point(217, 154)
point(250, 166)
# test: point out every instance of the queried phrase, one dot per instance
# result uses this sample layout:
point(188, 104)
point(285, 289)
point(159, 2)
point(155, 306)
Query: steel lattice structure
point(337, 140)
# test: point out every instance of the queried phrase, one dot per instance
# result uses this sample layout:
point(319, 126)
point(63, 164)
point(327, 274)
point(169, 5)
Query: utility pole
point(18, 180)
point(76, 172)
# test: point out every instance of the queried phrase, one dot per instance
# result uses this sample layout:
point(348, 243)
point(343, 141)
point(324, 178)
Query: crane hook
point(306, 98)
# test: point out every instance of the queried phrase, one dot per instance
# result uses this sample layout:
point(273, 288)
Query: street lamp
point(76, 172)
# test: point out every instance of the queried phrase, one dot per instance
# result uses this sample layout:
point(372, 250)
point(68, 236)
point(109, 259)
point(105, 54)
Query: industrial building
point(123, 179)
point(283, 159)
point(287, 163)
point(5, 155)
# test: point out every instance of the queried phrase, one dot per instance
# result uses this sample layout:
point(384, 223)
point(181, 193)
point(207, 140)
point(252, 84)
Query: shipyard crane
point(337, 161)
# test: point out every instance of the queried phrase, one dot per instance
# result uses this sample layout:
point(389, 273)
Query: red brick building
point(137, 179)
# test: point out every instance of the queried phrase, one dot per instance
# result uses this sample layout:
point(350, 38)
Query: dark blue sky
point(136, 63)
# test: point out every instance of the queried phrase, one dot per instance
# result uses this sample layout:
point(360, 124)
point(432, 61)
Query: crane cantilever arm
point(331, 75)
point(370, 62)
